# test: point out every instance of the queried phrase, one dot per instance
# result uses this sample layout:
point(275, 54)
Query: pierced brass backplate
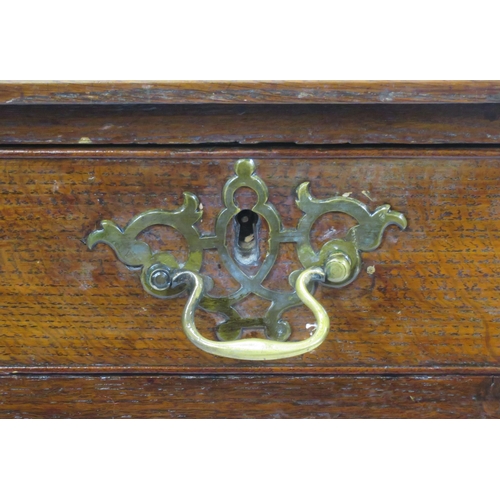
point(337, 263)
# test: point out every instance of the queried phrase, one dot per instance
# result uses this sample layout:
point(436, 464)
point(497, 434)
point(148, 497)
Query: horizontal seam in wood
point(258, 370)
point(278, 151)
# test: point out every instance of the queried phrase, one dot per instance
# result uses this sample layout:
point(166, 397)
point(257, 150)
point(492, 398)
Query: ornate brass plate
point(337, 263)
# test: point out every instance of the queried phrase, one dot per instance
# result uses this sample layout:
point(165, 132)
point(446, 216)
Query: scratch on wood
point(367, 194)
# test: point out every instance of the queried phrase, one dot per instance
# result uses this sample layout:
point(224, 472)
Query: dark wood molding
point(249, 397)
point(308, 124)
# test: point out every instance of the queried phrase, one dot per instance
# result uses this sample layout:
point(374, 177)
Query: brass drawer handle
point(255, 349)
point(336, 265)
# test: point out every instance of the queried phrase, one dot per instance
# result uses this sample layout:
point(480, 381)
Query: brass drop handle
point(255, 349)
point(335, 265)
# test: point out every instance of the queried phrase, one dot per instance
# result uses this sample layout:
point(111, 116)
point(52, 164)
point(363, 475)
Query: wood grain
point(431, 304)
point(249, 397)
point(251, 124)
point(247, 92)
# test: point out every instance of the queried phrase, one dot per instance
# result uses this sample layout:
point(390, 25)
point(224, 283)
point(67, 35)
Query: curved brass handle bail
point(255, 349)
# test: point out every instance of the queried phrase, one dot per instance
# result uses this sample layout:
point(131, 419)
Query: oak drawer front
point(425, 300)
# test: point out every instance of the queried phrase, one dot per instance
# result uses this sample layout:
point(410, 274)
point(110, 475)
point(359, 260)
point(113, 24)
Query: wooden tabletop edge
point(249, 92)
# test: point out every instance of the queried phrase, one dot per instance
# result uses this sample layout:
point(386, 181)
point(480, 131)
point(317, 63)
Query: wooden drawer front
point(430, 306)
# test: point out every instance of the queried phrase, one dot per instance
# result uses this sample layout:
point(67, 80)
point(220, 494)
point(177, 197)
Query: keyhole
point(247, 245)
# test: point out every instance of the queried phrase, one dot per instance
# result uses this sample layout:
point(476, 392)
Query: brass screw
point(160, 279)
point(338, 268)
